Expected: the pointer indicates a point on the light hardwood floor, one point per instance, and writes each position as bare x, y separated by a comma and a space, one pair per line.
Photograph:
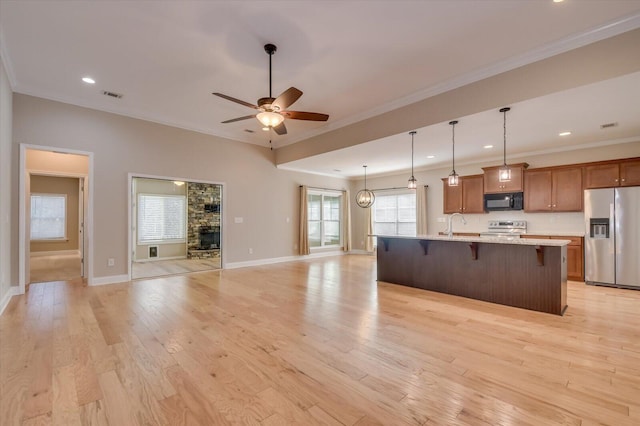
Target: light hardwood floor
313, 342
56, 267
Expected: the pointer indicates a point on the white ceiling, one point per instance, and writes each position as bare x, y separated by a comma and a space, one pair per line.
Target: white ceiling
352, 60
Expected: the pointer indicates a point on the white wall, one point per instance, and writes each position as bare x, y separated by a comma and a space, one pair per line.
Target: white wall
6, 109
256, 191
537, 222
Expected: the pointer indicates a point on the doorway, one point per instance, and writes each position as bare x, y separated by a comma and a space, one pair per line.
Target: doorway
55, 210
176, 226
55, 231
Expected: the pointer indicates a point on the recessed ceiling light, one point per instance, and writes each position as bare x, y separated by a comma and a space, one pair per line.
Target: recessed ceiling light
266, 129
88, 80
488, 146
431, 156
558, 1
564, 133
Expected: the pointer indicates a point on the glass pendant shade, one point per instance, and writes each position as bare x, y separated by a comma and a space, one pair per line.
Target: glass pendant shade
413, 183
364, 197
454, 179
269, 118
504, 174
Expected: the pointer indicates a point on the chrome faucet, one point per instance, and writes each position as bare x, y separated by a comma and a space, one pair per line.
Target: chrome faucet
450, 223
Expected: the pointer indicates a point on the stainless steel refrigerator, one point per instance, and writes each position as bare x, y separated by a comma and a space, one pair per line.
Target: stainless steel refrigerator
612, 236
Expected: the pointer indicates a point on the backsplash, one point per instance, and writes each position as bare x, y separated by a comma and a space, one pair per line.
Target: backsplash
537, 223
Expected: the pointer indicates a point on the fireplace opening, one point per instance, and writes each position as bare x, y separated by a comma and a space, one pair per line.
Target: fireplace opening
209, 237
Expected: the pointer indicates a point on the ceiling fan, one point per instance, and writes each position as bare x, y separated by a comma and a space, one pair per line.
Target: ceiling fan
273, 111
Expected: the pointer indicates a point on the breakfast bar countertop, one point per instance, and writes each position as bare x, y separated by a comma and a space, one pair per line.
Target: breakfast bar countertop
493, 240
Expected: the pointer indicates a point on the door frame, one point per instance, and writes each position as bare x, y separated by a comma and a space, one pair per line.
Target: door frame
24, 177
187, 180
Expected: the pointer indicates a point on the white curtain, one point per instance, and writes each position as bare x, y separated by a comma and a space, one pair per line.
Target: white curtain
421, 210
346, 221
368, 236
304, 227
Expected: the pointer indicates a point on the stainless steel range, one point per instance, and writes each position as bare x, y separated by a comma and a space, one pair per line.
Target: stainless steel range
505, 229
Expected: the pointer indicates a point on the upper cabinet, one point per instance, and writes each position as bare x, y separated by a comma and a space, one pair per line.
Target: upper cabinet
467, 197
553, 189
612, 174
492, 183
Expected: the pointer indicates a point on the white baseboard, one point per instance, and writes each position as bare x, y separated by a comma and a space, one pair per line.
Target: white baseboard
110, 279
55, 253
13, 291
234, 265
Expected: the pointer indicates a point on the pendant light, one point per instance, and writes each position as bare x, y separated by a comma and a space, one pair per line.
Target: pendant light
454, 179
413, 183
504, 174
365, 198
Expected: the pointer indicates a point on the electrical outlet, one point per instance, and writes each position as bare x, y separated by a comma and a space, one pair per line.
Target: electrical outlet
250, 251
111, 261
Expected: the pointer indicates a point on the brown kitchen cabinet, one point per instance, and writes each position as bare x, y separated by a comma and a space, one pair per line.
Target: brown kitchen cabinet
493, 185
467, 197
553, 189
612, 174
575, 254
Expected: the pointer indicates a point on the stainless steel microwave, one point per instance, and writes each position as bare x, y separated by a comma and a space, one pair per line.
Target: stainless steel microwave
504, 201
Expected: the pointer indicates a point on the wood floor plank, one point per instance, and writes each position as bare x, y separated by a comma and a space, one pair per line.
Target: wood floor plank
315, 341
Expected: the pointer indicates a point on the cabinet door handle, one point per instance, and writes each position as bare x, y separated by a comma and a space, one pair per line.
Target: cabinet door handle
554, 205
623, 179
616, 180
549, 205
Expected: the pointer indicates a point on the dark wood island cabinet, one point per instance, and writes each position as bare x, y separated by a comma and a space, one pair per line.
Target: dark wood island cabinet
524, 273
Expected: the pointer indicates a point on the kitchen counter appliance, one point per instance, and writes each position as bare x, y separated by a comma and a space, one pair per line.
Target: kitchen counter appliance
612, 237
505, 229
503, 201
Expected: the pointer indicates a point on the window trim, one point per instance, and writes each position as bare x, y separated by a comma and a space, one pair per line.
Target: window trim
65, 237
323, 193
166, 240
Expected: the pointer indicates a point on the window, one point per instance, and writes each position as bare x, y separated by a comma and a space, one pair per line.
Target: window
161, 218
324, 218
394, 214
48, 217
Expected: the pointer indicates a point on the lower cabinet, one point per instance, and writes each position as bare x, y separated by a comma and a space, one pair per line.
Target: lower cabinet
575, 255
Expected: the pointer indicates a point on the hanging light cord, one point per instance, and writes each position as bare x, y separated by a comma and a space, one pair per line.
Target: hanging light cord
504, 146
453, 146
412, 134
365, 177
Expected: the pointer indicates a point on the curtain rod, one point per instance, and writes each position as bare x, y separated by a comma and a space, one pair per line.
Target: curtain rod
323, 189
397, 187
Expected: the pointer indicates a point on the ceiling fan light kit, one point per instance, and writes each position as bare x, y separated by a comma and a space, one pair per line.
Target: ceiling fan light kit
272, 111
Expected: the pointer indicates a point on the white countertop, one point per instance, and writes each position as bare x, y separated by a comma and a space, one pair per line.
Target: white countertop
494, 240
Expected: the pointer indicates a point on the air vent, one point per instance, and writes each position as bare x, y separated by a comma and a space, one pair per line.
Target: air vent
607, 125
112, 94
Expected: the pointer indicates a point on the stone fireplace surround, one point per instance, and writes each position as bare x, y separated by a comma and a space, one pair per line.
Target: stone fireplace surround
203, 214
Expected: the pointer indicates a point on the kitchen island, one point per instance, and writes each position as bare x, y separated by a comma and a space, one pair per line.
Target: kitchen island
524, 273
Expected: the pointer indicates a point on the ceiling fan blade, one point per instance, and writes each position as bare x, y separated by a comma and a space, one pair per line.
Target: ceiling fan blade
287, 98
233, 120
281, 129
238, 101
301, 115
